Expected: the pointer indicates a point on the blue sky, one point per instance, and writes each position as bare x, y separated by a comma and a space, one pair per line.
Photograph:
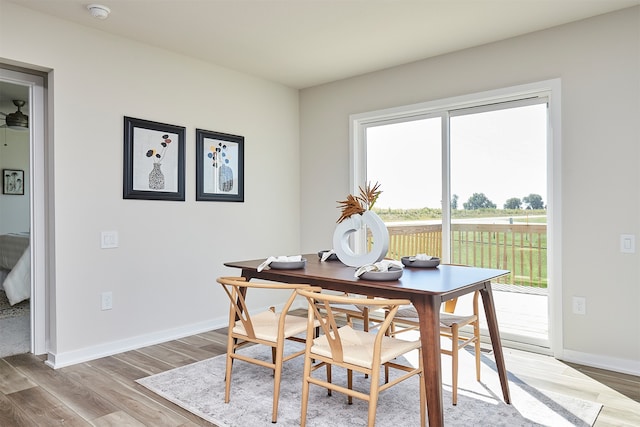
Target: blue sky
499, 153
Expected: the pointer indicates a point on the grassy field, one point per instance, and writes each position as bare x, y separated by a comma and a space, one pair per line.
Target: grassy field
523, 253
396, 215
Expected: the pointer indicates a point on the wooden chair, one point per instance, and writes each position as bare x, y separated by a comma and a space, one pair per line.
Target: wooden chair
450, 324
368, 316
354, 350
267, 328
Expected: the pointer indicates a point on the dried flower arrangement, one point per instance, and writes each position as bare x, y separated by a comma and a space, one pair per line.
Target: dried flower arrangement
357, 205
158, 156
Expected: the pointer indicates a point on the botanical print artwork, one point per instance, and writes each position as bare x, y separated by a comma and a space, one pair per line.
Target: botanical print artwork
155, 160
219, 166
223, 164
156, 177
13, 181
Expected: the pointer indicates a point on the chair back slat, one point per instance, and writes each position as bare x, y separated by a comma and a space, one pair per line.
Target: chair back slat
238, 309
329, 328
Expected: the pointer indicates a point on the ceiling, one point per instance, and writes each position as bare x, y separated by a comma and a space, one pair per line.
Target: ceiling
303, 43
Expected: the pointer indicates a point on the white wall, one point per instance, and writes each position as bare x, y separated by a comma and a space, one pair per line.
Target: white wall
163, 274
598, 62
14, 154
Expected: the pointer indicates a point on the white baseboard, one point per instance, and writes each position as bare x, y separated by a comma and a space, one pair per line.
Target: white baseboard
625, 366
60, 360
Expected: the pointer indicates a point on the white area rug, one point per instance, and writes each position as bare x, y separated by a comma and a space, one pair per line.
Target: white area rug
199, 388
15, 330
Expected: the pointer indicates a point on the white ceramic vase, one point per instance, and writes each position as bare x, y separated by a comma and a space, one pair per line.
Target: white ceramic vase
344, 231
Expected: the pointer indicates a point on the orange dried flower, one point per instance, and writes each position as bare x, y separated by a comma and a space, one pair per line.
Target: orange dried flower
357, 205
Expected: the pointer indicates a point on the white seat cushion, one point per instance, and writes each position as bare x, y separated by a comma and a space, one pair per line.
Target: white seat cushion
357, 347
265, 326
446, 319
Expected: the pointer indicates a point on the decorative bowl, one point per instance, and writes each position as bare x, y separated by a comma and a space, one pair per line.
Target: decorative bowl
420, 263
332, 257
393, 273
288, 265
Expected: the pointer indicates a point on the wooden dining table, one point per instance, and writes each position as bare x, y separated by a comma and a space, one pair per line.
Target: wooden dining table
426, 288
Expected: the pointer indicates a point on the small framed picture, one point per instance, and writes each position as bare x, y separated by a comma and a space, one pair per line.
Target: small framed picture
153, 160
219, 167
13, 181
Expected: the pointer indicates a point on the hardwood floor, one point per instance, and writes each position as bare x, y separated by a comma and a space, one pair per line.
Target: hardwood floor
103, 392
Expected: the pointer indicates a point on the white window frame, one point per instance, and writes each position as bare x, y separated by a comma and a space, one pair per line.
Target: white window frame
551, 90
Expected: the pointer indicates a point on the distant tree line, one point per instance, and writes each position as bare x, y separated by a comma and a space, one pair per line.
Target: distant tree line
481, 201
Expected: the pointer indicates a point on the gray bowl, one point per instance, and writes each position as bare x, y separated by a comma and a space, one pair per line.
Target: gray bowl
288, 265
332, 257
393, 273
418, 263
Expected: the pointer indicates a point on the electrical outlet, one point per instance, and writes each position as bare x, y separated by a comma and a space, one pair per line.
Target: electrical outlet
109, 239
579, 305
627, 243
106, 300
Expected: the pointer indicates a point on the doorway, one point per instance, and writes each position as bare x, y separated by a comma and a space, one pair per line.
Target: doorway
23, 211
15, 221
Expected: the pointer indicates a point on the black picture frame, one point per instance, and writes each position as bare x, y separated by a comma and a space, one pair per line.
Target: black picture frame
219, 166
148, 144
13, 182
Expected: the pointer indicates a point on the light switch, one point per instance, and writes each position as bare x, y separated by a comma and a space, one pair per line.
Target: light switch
579, 305
109, 239
627, 243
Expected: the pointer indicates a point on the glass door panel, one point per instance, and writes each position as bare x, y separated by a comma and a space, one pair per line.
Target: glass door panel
406, 159
499, 179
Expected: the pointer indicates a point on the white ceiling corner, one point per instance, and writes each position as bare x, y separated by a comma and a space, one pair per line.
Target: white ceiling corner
303, 43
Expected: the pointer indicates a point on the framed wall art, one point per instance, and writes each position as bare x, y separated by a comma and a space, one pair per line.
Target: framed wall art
13, 181
219, 166
153, 160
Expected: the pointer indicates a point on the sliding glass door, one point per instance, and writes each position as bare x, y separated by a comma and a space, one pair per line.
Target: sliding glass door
469, 184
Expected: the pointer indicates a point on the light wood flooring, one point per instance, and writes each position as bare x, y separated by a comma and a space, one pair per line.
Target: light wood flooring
103, 392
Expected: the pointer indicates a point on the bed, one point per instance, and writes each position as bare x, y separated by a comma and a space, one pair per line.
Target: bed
15, 266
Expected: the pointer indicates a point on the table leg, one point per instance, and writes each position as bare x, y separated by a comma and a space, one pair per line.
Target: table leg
428, 308
494, 333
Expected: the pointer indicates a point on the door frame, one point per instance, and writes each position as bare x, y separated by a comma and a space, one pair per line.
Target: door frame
39, 210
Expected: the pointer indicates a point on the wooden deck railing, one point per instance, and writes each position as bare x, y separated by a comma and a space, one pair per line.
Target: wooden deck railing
520, 248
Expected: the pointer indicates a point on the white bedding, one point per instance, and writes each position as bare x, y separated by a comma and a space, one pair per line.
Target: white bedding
15, 256
17, 285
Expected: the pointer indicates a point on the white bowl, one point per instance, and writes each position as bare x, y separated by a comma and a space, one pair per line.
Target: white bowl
420, 263
393, 273
288, 265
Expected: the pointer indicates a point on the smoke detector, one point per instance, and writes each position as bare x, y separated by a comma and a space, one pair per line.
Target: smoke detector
99, 11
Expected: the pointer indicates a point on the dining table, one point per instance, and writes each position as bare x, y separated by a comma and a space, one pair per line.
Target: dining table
426, 288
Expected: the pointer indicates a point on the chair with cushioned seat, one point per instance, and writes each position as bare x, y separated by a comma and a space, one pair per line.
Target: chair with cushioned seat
267, 328
355, 350
369, 318
450, 325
